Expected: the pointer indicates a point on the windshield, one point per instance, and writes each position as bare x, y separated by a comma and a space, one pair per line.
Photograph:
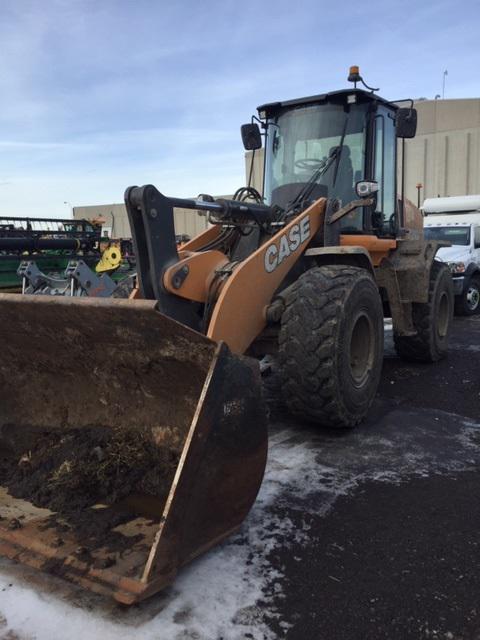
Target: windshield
299, 139
454, 235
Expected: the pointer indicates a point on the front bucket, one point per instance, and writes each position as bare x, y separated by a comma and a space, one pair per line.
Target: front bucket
129, 444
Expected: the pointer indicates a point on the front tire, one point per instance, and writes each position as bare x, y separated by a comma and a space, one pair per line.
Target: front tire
468, 303
432, 320
331, 345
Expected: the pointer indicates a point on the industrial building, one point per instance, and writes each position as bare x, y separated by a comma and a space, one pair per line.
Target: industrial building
442, 160
444, 156
117, 226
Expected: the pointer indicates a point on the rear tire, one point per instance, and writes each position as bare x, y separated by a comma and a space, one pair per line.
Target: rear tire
331, 345
432, 320
468, 303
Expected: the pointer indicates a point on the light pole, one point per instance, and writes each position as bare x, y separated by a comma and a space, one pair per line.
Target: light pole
419, 190
445, 74
69, 205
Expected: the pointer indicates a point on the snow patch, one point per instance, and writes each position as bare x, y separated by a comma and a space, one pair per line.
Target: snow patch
229, 593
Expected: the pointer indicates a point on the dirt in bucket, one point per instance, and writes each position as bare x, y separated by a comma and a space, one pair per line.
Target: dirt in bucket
69, 471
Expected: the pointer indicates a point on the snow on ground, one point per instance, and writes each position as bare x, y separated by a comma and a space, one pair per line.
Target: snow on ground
228, 593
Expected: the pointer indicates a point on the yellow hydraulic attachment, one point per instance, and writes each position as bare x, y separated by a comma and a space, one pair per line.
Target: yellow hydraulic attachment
110, 260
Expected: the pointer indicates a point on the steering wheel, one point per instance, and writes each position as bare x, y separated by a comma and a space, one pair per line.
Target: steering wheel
309, 163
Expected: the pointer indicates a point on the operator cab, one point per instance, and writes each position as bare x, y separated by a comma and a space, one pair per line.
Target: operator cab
324, 145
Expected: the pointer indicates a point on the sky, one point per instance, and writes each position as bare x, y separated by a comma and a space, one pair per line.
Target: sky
100, 95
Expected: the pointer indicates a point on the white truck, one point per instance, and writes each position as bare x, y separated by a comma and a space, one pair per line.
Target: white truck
456, 219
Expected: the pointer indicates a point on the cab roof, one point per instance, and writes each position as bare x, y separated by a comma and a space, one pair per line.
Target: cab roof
452, 204
340, 96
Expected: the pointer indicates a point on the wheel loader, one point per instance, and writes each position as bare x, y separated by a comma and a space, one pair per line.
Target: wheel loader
132, 431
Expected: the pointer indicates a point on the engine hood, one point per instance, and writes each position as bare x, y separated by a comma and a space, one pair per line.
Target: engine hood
454, 254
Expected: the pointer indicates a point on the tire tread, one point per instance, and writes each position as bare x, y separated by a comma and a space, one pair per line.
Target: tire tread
307, 350
421, 347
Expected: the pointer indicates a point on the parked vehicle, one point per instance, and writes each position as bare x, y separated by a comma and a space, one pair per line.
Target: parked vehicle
452, 205
463, 256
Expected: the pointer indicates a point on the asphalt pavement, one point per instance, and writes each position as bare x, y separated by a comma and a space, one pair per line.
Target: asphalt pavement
363, 534
395, 553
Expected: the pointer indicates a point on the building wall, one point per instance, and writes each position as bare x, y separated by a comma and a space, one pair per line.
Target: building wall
257, 168
444, 156
186, 220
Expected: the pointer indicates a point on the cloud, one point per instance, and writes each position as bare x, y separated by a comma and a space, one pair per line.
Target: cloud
117, 89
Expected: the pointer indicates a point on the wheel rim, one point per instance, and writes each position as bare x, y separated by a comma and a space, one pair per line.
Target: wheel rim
473, 298
443, 315
362, 349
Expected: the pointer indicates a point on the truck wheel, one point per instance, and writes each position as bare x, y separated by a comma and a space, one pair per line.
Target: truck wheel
432, 320
331, 345
469, 302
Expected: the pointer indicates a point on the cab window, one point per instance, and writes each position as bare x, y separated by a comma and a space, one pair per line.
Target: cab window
384, 169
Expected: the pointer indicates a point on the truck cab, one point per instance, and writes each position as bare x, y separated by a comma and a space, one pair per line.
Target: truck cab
331, 142
457, 220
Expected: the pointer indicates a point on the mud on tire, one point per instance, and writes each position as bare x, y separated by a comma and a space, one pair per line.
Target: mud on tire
432, 320
331, 345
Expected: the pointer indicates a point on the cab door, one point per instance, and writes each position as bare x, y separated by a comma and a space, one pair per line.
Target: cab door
384, 217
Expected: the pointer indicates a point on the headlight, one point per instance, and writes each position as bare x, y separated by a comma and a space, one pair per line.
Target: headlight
457, 267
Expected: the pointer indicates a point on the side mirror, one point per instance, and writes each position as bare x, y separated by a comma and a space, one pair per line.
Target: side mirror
406, 122
251, 136
365, 188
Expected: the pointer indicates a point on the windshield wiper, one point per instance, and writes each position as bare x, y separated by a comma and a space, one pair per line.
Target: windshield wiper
339, 150
299, 201
307, 189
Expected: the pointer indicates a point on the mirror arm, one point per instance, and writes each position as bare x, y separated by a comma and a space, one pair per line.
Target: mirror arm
260, 122
348, 208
